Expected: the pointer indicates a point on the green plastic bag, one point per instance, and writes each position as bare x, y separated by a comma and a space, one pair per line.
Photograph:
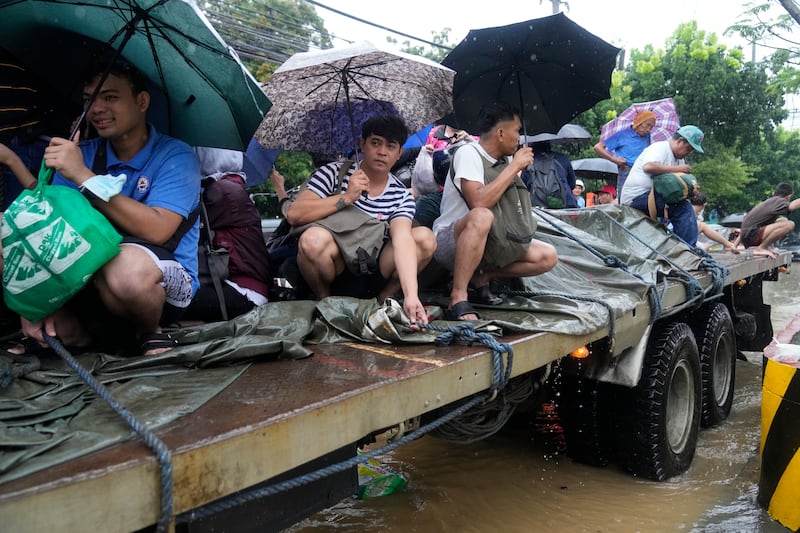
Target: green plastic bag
375, 479
53, 242
674, 187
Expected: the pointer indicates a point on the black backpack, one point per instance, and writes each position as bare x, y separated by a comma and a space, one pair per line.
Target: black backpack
546, 185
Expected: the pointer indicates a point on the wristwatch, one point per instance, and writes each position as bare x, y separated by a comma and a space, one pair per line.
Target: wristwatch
88, 194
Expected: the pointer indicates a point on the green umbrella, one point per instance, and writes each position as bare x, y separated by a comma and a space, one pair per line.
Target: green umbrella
205, 96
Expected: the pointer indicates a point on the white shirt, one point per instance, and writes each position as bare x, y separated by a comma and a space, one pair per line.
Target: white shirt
638, 181
467, 165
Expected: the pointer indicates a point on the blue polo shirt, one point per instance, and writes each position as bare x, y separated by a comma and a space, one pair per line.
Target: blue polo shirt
165, 173
628, 144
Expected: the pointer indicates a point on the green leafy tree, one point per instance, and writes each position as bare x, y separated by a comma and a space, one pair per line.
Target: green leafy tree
735, 102
266, 32
436, 53
770, 25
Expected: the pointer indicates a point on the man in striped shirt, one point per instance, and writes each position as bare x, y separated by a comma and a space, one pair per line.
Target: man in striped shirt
371, 188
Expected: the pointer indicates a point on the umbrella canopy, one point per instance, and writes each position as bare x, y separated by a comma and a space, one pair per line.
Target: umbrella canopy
667, 121
419, 137
595, 168
550, 67
208, 97
733, 221
539, 137
322, 98
573, 133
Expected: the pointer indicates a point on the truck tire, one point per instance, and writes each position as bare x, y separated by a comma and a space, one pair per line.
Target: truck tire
716, 343
587, 418
665, 415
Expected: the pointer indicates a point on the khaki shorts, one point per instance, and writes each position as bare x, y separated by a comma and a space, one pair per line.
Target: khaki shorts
445, 253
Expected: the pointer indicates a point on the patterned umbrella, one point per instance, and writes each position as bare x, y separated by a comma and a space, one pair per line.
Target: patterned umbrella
667, 120
322, 98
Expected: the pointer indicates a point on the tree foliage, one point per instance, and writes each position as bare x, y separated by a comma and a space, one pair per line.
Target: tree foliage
435, 53
737, 103
266, 32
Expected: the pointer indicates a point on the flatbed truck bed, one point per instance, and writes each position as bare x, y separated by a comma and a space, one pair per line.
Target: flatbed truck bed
281, 415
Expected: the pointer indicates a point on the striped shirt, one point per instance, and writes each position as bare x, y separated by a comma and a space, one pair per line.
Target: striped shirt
394, 202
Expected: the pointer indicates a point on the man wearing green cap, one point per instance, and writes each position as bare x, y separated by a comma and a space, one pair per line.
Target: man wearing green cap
665, 157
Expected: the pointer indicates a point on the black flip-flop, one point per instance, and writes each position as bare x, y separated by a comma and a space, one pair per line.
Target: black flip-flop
484, 296
460, 309
155, 341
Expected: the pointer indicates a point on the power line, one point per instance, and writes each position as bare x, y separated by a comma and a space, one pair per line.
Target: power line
379, 26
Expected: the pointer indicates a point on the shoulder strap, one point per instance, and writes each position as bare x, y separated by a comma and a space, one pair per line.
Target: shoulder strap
215, 268
100, 163
651, 204
100, 166
343, 168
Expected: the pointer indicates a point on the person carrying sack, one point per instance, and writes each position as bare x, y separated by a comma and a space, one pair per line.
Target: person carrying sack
355, 225
486, 228
665, 160
152, 280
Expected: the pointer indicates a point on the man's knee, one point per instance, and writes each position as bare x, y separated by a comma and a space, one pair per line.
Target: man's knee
315, 242
425, 241
478, 220
129, 274
544, 255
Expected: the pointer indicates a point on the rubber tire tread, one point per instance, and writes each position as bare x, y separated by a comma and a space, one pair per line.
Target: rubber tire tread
709, 326
649, 453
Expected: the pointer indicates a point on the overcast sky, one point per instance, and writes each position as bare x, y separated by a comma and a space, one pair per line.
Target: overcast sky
624, 23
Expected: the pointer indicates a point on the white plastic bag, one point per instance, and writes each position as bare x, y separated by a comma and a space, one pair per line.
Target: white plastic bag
422, 180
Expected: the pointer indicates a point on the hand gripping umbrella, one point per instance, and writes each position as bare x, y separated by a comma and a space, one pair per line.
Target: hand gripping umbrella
207, 97
322, 98
667, 121
550, 67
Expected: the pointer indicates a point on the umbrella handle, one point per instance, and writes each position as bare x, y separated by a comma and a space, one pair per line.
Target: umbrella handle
521, 103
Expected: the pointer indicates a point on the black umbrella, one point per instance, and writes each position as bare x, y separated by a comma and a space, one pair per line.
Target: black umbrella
595, 168
550, 67
733, 221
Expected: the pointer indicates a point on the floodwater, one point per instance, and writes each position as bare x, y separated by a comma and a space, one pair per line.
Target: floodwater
510, 483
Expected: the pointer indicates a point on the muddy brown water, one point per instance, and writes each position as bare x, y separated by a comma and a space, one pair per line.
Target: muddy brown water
510, 483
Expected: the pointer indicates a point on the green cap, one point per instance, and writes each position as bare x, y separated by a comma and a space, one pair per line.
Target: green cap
693, 135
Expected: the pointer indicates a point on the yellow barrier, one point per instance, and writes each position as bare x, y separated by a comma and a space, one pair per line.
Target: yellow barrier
779, 484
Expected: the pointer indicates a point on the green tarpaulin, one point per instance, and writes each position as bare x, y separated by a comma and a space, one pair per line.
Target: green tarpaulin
610, 260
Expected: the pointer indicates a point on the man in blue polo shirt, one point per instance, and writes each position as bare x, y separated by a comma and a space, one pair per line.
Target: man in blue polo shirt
153, 278
624, 147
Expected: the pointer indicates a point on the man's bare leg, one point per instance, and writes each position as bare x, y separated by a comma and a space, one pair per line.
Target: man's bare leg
775, 232
540, 258
319, 260
142, 301
470, 233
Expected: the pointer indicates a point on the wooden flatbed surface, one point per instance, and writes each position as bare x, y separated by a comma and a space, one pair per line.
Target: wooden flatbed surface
282, 414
